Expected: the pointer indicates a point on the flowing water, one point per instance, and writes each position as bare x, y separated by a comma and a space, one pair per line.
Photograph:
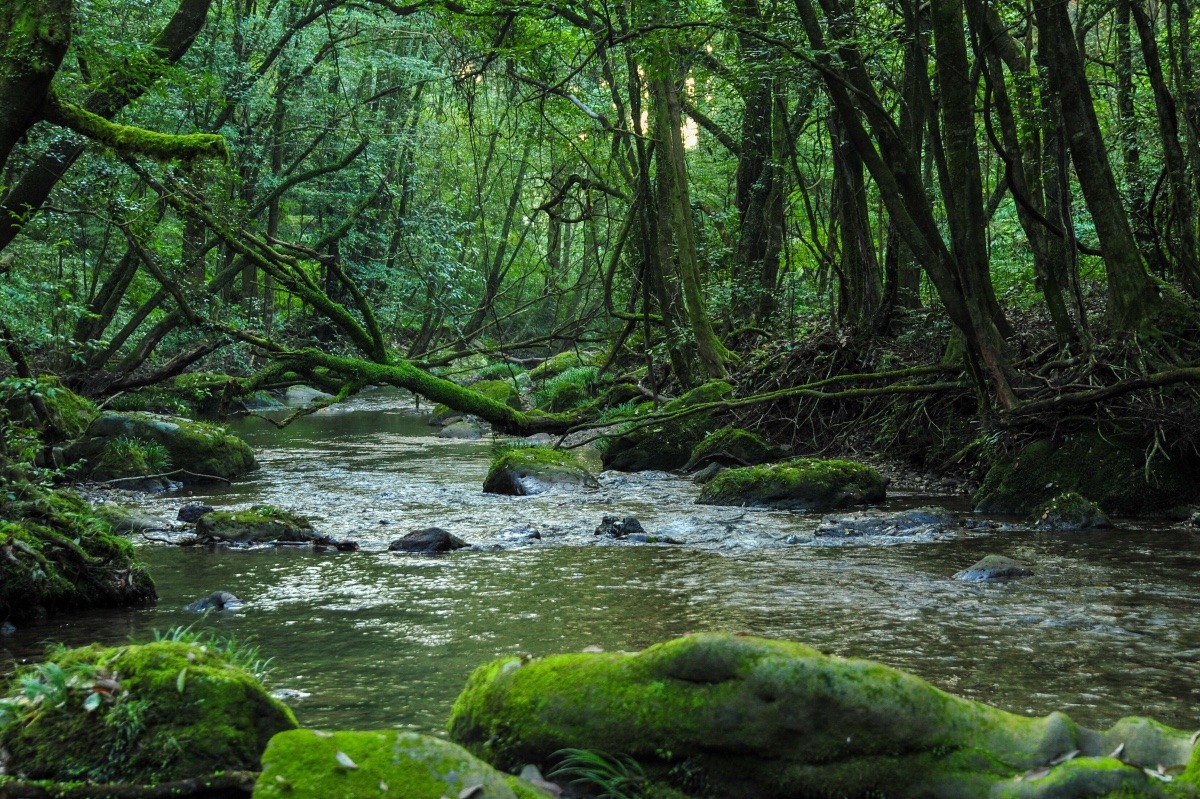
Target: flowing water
1109, 625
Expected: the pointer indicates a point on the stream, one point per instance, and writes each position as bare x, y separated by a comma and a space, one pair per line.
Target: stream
1109, 625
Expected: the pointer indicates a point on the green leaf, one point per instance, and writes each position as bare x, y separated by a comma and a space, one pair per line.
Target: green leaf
181, 680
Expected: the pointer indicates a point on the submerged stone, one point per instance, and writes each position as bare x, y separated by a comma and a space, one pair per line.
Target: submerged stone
994, 567
615, 527
301, 396
307, 764
525, 471
463, 430
914, 522
801, 484
218, 601
165, 711
741, 718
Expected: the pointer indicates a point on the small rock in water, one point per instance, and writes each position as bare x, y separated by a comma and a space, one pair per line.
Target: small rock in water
519, 533
429, 540
613, 527
217, 600
909, 523
707, 473
7, 629
995, 567
464, 430
193, 511
285, 694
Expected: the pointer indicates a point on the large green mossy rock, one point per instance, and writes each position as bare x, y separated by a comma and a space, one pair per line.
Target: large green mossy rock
260, 524
733, 446
167, 711
801, 484
739, 717
1069, 511
667, 444
200, 449
525, 471
56, 554
502, 391
69, 412
1109, 471
307, 764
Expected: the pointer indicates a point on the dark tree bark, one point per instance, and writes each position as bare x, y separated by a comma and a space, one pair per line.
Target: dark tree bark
34, 36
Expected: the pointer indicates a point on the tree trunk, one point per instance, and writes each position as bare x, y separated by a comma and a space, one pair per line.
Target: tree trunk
34, 36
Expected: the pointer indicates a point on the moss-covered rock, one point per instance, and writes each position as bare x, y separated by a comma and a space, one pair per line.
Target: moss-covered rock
501, 391
801, 484
557, 364
746, 718
1069, 511
69, 412
1107, 469
306, 764
200, 449
260, 524
667, 444
733, 446
524, 471
166, 711
56, 554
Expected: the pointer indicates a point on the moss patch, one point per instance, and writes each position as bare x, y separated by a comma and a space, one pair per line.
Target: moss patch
523, 471
801, 484
168, 711
305, 764
261, 524
736, 716
667, 444
557, 364
1069, 511
69, 412
1117, 477
56, 555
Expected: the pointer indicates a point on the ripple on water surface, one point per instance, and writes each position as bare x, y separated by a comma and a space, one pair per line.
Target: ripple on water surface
1109, 626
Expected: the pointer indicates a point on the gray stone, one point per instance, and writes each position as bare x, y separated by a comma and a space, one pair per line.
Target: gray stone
994, 567
463, 430
192, 511
915, 522
429, 541
218, 601
614, 527
300, 396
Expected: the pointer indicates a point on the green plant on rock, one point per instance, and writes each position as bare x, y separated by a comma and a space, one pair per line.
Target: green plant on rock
614, 776
240, 653
567, 390
129, 456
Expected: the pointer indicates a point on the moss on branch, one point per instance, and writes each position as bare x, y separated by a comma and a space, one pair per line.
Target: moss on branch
132, 140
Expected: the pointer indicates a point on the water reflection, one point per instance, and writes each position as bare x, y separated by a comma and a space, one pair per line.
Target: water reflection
1108, 627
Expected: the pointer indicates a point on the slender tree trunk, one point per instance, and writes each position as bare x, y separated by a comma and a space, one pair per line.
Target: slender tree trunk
1132, 296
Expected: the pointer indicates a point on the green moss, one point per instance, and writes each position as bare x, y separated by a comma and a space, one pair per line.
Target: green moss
801, 484
500, 391
258, 524
197, 447
521, 471
69, 412
56, 554
305, 764
667, 444
733, 445
178, 710
569, 389
135, 141
1118, 477
736, 716
557, 364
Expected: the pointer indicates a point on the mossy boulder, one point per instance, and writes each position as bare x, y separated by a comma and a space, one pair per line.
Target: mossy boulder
667, 444
260, 524
203, 451
800, 484
69, 412
745, 717
733, 446
502, 391
1070, 511
1109, 470
167, 711
56, 554
524, 471
557, 364
306, 764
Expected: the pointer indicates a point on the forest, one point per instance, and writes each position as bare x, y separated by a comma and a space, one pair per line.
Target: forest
805, 250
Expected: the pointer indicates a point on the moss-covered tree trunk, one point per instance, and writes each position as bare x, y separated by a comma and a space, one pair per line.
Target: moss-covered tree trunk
34, 36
